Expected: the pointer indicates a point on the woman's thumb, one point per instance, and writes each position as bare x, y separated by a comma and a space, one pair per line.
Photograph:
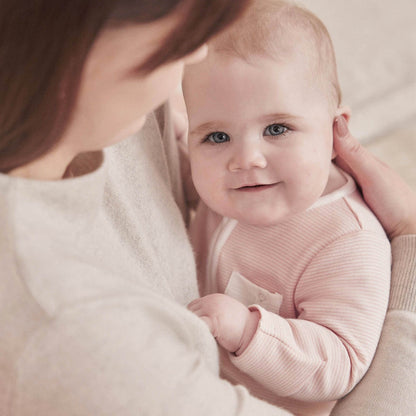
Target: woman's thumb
351, 155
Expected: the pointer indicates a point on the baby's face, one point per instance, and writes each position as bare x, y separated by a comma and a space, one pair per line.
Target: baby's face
260, 137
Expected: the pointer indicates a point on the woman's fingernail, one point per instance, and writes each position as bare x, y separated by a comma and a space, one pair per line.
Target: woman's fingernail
341, 126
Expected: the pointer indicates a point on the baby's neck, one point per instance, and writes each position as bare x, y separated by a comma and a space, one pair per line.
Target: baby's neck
335, 181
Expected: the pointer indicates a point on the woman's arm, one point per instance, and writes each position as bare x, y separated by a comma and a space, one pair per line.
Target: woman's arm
389, 386
127, 355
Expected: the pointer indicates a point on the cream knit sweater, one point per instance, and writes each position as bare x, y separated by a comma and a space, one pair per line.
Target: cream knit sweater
94, 273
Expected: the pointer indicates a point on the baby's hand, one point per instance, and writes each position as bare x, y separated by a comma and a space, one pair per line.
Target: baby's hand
231, 323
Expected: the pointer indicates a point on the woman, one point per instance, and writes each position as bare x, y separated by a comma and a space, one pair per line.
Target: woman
96, 268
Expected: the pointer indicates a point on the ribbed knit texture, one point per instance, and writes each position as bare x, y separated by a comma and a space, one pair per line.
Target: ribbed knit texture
388, 389
331, 268
403, 289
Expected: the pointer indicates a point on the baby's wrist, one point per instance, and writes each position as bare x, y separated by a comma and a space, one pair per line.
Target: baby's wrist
249, 330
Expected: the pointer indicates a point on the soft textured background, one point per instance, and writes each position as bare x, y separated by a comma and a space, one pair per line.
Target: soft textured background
375, 44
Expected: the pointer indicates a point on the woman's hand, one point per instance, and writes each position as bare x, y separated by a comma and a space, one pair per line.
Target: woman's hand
231, 323
390, 198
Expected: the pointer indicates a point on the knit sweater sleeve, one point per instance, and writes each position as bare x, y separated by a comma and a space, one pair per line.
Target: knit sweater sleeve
341, 299
389, 386
129, 355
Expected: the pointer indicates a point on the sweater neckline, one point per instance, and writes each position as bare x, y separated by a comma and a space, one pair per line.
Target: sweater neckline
77, 198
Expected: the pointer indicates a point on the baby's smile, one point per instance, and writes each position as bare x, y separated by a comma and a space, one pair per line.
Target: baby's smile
256, 187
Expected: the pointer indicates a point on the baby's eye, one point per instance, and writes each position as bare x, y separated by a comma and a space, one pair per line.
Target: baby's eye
218, 137
275, 130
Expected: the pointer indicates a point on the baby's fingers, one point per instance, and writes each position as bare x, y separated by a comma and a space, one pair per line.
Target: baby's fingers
209, 323
197, 307
202, 305
194, 305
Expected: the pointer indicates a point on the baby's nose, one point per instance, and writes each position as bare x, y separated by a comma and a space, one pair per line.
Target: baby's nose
247, 156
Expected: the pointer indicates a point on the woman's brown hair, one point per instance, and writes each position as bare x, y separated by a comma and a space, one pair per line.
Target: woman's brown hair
43, 47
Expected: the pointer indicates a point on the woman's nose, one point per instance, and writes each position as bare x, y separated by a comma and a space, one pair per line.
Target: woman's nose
247, 156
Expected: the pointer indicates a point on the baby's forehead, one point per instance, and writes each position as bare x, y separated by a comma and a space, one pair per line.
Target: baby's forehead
229, 64
281, 29
223, 70
259, 89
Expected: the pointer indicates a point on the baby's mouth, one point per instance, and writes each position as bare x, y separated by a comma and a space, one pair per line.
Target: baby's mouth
256, 187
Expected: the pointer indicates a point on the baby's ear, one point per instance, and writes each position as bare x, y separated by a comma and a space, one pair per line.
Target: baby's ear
343, 111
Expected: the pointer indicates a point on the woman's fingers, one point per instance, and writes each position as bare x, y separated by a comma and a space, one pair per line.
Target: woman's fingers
353, 157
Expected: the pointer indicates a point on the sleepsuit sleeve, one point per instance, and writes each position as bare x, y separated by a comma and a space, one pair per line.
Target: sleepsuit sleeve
341, 299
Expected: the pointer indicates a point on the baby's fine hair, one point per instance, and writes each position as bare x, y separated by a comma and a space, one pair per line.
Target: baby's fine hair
277, 29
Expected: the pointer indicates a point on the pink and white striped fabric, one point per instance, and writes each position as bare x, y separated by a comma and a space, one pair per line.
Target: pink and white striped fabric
320, 280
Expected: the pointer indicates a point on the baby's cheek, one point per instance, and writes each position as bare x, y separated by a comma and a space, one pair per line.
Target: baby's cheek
304, 190
210, 189
198, 171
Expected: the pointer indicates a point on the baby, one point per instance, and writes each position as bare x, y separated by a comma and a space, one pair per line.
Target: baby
294, 269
